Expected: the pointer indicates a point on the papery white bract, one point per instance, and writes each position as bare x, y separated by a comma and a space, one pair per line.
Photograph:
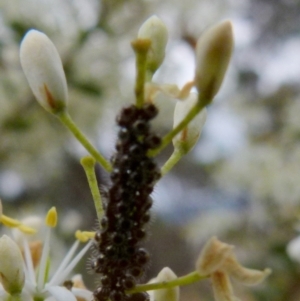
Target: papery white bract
213, 53
44, 71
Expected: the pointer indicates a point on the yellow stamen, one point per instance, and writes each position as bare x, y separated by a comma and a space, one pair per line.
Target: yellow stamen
51, 218
9, 222
84, 236
27, 230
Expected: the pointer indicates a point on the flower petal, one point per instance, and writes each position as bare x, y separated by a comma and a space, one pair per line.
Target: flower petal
60, 293
188, 138
244, 275
212, 256
222, 287
82, 293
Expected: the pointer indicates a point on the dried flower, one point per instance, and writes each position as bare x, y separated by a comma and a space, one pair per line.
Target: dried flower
212, 256
44, 71
218, 261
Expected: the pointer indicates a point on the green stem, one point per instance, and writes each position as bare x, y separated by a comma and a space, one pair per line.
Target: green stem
184, 280
140, 47
65, 118
172, 161
168, 138
88, 164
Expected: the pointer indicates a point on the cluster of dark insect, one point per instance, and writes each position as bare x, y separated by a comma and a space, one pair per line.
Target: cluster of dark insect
119, 258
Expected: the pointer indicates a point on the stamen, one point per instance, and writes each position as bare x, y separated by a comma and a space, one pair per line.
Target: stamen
27, 230
65, 262
9, 222
84, 236
51, 218
29, 269
43, 263
71, 266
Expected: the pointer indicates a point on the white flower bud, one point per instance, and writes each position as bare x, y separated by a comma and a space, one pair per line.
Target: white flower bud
11, 266
170, 294
44, 71
156, 31
293, 249
213, 53
188, 137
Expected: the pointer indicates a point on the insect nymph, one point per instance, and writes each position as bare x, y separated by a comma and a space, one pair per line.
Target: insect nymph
120, 260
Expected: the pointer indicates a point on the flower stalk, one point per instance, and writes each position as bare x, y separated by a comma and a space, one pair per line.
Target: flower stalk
184, 123
88, 164
67, 121
141, 48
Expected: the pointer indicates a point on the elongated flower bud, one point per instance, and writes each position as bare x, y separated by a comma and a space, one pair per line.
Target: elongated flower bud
213, 53
168, 294
189, 136
156, 31
11, 266
44, 71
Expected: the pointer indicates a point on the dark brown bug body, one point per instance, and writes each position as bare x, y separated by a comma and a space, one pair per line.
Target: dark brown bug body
120, 259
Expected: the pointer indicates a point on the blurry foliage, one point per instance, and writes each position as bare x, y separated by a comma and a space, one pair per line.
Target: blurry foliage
93, 38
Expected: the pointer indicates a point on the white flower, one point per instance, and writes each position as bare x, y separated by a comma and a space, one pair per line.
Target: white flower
188, 138
213, 53
156, 31
44, 71
37, 284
